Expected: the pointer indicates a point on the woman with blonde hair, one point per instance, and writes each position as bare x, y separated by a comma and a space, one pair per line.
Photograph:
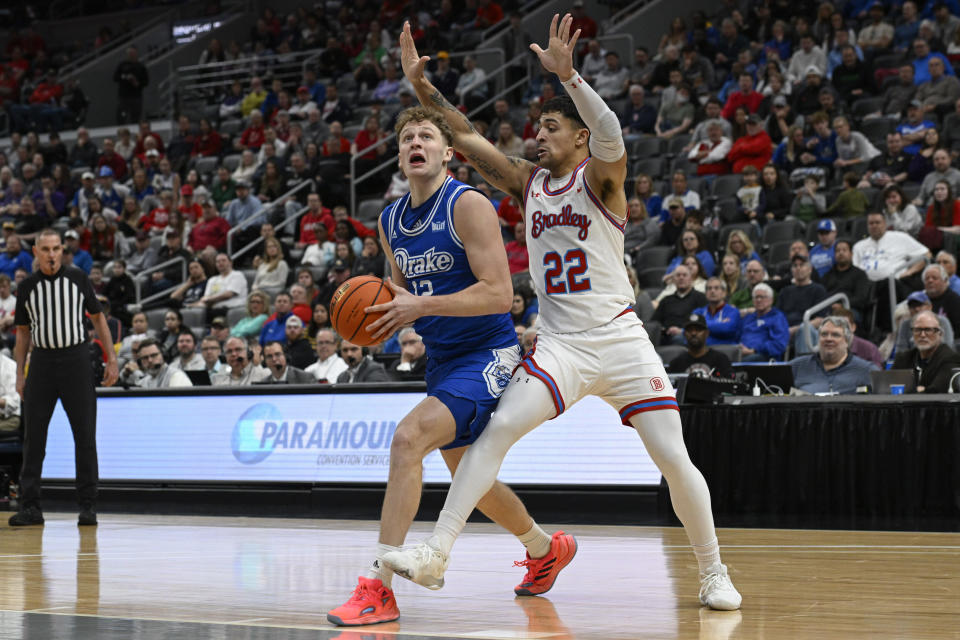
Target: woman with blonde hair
739, 245
732, 274
272, 269
258, 310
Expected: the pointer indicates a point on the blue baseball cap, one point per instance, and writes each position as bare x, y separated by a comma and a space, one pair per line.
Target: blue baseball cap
918, 297
106, 171
826, 225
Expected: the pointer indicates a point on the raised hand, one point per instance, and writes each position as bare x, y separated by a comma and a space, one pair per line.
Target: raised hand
558, 58
410, 60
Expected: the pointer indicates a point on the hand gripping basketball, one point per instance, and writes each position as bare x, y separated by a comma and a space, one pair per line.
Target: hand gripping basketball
402, 310
349, 308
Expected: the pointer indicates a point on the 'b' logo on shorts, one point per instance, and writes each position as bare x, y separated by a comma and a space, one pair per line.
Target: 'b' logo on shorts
657, 384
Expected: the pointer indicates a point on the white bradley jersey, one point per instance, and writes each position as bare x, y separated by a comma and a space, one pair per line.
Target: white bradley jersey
576, 253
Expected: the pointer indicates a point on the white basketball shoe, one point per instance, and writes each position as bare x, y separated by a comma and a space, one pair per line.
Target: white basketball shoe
717, 591
422, 564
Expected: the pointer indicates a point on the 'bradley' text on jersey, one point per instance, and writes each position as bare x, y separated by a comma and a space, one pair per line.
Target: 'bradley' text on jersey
540, 222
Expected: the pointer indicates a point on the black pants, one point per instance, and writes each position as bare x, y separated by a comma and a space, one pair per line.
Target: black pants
129, 109
65, 375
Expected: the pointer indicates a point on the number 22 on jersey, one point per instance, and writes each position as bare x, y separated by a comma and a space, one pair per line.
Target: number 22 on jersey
567, 274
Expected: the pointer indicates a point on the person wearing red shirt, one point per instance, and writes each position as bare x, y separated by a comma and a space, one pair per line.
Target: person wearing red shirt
189, 209
335, 144
755, 148
583, 22
509, 213
253, 136
9, 87
113, 161
363, 231
316, 215
746, 96
944, 212
209, 232
160, 216
518, 258
208, 142
139, 149
489, 13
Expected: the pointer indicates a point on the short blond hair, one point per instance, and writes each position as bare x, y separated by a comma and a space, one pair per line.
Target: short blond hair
423, 114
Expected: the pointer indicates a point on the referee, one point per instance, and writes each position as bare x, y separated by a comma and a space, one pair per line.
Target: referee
50, 312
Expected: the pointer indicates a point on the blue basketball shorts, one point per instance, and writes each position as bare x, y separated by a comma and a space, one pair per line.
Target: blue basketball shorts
470, 386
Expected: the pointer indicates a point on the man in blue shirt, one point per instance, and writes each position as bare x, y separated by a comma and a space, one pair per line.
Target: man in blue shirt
915, 128
275, 330
15, 258
765, 333
81, 258
833, 369
722, 319
921, 62
244, 210
821, 256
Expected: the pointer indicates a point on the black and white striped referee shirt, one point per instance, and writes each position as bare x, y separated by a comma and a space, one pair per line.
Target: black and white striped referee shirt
54, 306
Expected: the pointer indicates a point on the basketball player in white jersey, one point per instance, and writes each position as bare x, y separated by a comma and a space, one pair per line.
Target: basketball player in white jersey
589, 341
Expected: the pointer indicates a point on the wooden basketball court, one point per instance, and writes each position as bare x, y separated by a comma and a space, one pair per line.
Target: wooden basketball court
200, 578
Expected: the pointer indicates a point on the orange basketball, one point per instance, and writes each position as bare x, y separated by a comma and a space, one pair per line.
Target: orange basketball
347, 308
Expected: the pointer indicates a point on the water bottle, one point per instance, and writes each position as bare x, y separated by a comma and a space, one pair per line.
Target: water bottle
14, 497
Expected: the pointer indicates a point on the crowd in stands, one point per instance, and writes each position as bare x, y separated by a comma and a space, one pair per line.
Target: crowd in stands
780, 153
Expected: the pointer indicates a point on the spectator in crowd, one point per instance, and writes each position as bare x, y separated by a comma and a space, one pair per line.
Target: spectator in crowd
852, 78
931, 360
84, 152
322, 251
412, 364
508, 142
676, 116
674, 225
722, 319
888, 253
157, 373
941, 91
809, 55
776, 197
711, 110
711, 154
224, 291
691, 243
275, 357
13, 258
914, 128
258, 309
360, 366
681, 190
889, 167
798, 296
853, 148
753, 149
917, 302
640, 231
745, 96
876, 36
611, 82
275, 327
644, 191
210, 231
949, 262
863, 349
844, 277
943, 214
329, 365
242, 370
851, 203
833, 368
809, 204
370, 261
700, 360
594, 61
922, 57
132, 78
821, 255
245, 211
518, 258
739, 245
193, 288
472, 87
272, 269
675, 308
187, 358
750, 201
942, 171
765, 333
943, 301
638, 118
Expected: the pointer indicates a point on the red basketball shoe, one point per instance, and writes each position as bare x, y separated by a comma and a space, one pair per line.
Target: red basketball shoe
542, 572
370, 603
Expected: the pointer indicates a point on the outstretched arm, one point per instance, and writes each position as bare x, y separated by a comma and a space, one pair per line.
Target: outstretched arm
508, 174
608, 168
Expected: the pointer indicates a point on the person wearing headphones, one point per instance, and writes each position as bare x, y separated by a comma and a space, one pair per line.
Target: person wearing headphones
360, 366
275, 356
243, 371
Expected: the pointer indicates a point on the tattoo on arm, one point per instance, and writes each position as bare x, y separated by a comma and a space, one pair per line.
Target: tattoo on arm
484, 167
442, 103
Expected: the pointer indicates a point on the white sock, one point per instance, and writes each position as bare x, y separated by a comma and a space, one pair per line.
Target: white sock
445, 532
536, 540
708, 555
378, 570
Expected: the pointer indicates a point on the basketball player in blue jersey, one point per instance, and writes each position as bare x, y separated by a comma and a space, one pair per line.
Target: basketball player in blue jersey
588, 339
450, 279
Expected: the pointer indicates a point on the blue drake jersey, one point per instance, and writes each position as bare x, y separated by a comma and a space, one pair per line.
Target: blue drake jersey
428, 251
